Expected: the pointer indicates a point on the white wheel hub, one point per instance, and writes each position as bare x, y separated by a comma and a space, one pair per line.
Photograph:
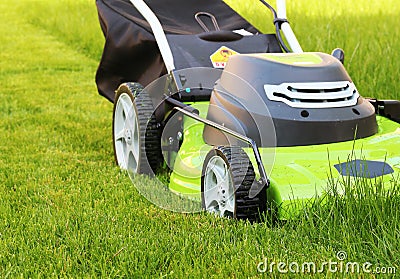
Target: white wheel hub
126, 134
219, 194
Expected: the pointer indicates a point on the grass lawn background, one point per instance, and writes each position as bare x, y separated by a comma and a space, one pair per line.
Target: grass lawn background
67, 211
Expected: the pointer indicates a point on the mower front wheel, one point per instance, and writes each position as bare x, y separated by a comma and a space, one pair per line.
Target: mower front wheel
226, 182
136, 137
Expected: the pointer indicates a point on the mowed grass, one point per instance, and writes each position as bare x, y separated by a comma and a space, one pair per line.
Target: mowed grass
67, 211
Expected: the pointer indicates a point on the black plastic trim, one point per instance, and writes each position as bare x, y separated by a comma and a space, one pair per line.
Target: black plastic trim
387, 108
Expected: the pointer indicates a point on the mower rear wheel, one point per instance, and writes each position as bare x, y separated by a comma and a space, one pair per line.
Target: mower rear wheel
136, 137
226, 182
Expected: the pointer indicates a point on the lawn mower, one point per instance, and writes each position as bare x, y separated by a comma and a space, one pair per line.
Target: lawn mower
243, 122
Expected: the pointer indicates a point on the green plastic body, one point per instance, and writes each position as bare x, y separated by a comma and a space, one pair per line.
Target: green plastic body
297, 174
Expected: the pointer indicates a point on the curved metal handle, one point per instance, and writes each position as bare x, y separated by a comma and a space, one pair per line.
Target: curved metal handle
264, 181
201, 23
158, 31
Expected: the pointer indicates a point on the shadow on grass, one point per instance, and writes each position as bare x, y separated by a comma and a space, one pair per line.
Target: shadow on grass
156, 192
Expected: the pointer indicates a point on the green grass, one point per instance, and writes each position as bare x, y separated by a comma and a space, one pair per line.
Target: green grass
67, 211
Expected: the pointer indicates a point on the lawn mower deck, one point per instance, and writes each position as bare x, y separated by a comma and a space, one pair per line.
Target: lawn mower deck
241, 126
299, 174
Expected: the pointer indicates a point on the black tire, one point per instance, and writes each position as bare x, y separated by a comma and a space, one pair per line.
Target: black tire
241, 173
145, 139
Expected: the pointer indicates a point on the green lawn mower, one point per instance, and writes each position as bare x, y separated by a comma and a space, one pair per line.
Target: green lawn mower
241, 121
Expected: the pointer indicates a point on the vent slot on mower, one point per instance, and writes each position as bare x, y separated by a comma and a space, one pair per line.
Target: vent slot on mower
314, 95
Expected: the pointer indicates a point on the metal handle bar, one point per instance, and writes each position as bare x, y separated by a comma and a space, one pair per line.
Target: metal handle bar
263, 175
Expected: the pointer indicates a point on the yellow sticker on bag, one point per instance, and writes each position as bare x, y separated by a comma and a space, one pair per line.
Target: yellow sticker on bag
220, 57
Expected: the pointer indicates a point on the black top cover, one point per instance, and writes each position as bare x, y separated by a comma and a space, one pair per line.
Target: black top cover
131, 53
